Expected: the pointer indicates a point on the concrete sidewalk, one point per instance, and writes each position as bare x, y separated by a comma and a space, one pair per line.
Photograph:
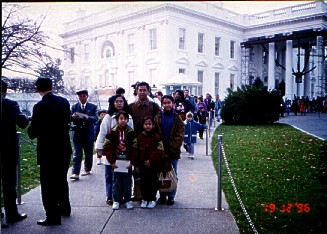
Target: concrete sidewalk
193, 211
312, 123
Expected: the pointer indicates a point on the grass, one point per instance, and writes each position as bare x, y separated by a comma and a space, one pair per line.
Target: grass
280, 175
30, 172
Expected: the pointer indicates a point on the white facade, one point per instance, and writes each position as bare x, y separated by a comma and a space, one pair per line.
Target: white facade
153, 42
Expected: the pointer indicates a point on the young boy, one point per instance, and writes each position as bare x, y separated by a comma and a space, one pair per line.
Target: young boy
201, 118
148, 162
191, 128
118, 149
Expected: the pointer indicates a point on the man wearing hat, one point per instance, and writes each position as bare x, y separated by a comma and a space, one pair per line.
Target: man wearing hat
84, 117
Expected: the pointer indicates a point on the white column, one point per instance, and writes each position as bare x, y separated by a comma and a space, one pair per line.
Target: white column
320, 68
288, 73
92, 58
271, 66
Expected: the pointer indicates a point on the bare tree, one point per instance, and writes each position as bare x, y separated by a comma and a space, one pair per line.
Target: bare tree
23, 42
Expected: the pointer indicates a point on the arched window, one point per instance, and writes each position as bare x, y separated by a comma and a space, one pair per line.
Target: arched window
108, 50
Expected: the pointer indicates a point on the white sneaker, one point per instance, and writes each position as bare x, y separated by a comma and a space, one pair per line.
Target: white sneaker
151, 204
191, 156
129, 205
115, 206
85, 173
99, 161
144, 204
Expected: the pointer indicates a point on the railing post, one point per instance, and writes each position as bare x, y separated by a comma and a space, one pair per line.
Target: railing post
207, 142
19, 185
208, 123
219, 197
214, 119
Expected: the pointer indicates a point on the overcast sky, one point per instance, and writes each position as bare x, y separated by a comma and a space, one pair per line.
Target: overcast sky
59, 12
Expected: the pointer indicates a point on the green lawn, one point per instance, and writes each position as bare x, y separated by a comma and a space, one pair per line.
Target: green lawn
280, 175
30, 172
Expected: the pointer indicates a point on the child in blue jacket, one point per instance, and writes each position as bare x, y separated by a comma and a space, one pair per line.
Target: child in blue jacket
191, 129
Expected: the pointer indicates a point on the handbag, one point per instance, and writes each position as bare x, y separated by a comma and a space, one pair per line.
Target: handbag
167, 181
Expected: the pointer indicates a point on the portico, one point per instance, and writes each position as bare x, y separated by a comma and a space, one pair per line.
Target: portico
294, 58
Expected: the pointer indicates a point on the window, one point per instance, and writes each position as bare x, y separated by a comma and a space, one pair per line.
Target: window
108, 50
72, 55
251, 54
231, 81
181, 39
200, 79
106, 78
152, 75
86, 52
181, 70
200, 42
265, 57
217, 83
131, 44
277, 56
232, 49
217, 45
131, 79
153, 39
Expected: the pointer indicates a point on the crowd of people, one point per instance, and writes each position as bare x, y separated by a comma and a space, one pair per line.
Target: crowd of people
135, 141
303, 105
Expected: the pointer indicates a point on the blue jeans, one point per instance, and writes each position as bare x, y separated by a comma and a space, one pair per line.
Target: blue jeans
172, 194
78, 156
190, 147
108, 175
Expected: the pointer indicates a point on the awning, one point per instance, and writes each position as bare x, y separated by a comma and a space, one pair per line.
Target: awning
180, 79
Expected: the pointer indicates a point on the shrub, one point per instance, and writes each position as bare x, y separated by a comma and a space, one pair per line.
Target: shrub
251, 105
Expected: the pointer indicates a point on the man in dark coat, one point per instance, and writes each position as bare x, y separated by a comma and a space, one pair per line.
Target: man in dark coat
11, 116
50, 125
84, 116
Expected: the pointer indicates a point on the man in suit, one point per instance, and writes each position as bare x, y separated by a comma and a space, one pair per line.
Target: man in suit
50, 125
11, 116
84, 116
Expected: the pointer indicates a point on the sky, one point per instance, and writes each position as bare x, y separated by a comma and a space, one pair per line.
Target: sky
60, 12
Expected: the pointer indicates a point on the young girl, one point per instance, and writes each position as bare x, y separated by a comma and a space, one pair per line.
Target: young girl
118, 149
118, 103
150, 153
191, 128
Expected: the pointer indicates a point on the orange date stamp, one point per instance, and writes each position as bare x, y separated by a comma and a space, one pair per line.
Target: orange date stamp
287, 208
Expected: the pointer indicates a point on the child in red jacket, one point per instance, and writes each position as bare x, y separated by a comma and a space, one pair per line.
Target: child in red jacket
119, 148
148, 162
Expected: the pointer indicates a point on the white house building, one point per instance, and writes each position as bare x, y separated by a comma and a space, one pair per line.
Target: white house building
213, 47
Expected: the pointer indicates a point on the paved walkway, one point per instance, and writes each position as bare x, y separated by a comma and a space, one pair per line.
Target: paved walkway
193, 212
312, 123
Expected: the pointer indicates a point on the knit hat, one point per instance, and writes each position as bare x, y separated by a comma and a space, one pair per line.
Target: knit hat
189, 114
